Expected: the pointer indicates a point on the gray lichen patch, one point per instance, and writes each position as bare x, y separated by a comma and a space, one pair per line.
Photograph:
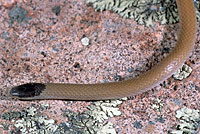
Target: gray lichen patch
160, 119
189, 121
183, 72
86, 124
94, 119
137, 124
56, 10
13, 115
5, 126
143, 11
102, 4
33, 123
197, 5
18, 14
158, 105
30, 121
102, 110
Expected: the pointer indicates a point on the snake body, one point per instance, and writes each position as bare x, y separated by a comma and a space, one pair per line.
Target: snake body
114, 90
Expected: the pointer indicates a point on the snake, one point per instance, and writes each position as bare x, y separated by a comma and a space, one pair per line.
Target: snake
126, 88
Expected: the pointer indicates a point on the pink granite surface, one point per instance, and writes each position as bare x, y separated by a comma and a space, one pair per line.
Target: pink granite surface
46, 48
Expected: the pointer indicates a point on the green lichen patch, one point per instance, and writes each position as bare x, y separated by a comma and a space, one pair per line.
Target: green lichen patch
189, 121
143, 11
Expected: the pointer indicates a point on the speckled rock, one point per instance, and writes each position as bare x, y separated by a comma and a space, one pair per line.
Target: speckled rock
40, 41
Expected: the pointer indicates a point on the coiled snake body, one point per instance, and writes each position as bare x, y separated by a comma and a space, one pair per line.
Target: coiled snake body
114, 90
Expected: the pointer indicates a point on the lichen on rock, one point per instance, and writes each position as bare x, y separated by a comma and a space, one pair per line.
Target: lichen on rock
18, 14
101, 110
33, 123
94, 119
143, 11
158, 105
183, 72
86, 124
29, 121
189, 121
102, 4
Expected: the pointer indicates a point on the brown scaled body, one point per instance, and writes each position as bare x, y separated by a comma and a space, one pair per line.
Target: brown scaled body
114, 90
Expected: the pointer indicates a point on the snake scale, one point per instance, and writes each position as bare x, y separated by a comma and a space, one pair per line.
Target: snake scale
114, 90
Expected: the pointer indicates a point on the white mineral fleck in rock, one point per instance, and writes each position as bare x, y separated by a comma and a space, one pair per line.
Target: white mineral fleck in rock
85, 41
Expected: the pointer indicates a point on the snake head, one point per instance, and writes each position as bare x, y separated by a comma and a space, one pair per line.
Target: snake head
27, 90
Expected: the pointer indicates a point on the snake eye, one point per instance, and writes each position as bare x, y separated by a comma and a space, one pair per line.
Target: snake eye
27, 90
